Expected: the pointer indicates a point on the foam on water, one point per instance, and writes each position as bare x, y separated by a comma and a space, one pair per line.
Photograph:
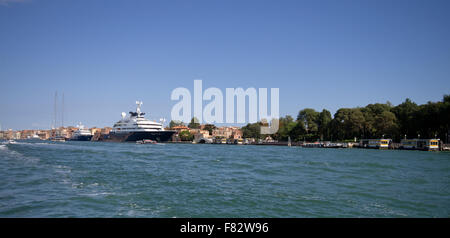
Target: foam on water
96, 194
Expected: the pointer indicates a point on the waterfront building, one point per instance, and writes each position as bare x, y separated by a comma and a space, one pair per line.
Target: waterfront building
236, 133
94, 130
420, 144
97, 133
69, 131
27, 134
223, 132
200, 133
375, 143
201, 136
44, 134
179, 129
16, 135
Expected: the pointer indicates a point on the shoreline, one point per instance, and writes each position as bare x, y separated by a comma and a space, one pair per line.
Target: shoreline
446, 147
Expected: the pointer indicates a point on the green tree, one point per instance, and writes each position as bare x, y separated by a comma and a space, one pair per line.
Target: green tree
297, 131
445, 118
385, 124
323, 123
348, 123
186, 136
405, 115
372, 121
194, 124
283, 129
210, 128
428, 118
309, 118
173, 123
252, 130
374, 116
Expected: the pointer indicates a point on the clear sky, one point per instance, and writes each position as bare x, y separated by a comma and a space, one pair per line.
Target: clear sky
105, 55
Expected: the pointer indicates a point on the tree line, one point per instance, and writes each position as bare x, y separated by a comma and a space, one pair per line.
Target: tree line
430, 120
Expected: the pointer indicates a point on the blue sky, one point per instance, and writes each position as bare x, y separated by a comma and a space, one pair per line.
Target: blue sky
105, 55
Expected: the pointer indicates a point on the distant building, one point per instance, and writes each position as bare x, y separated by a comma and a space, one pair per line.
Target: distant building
44, 135
62, 132
106, 130
97, 133
420, 144
70, 130
232, 132
95, 130
236, 133
200, 134
27, 134
8, 134
16, 135
222, 132
180, 128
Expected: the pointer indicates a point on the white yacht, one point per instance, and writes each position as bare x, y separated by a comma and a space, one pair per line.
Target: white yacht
81, 134
137, 128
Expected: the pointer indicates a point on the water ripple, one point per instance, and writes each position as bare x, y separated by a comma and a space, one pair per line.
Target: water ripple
84, 179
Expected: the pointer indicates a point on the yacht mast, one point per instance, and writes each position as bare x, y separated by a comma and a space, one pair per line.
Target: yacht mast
62, 111
54, 111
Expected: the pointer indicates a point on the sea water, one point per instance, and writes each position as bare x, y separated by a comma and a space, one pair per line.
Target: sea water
99, 179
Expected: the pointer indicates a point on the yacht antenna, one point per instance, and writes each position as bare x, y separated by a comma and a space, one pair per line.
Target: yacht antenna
138, 109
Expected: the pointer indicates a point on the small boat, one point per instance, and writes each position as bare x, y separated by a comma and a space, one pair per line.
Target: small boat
11, 142
146, 141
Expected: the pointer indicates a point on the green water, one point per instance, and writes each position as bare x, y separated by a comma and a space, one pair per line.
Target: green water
94, 179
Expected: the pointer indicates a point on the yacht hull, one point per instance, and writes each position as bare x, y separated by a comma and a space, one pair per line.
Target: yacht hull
159, 136
81, 138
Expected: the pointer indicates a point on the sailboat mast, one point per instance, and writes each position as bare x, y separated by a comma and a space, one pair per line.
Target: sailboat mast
62, 111
54, 110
